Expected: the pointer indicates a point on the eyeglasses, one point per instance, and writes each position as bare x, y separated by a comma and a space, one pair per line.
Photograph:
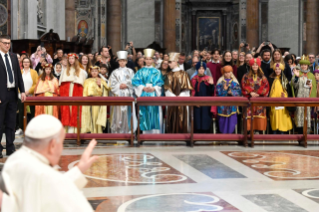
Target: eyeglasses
6, 43
311, 57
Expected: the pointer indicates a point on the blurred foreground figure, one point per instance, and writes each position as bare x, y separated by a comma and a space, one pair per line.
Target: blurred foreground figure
31, 181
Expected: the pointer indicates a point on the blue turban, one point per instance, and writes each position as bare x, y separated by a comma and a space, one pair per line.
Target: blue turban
201, 64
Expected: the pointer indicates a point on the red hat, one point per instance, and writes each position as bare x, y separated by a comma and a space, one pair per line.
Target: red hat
253, 61
23, 52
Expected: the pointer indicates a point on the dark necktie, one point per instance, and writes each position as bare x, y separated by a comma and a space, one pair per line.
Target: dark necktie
9, 70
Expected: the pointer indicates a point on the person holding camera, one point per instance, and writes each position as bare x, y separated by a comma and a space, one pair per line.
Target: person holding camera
245, 46
41, 52
263, 44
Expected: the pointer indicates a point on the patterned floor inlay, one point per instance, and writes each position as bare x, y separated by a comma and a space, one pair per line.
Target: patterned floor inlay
281, 165
209, 166
127, 169
311, 193
174, 202
274, 203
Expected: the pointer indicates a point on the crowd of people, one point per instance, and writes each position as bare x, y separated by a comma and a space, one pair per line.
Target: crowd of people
262, 72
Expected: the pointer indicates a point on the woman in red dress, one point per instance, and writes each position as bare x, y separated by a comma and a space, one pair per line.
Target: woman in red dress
71, 84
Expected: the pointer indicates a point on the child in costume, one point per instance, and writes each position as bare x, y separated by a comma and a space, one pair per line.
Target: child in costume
203, 86
280, 120
227, 85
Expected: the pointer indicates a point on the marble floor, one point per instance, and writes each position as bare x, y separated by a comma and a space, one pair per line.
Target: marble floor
176, 178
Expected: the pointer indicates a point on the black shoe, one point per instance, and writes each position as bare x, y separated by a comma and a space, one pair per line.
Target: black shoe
10, 153
1, 155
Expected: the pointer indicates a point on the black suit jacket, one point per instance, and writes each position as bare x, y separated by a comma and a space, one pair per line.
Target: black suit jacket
17, 76
187, 66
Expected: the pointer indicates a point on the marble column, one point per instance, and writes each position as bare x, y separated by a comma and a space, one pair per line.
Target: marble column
312, 27
114, 24
70, 30
252, 23
169, 26
194, 27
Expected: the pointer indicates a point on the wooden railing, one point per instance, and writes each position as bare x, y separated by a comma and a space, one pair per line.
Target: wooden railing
83, 101
287, 102
192, 102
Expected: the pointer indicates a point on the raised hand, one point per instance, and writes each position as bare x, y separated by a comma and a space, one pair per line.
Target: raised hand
87, 160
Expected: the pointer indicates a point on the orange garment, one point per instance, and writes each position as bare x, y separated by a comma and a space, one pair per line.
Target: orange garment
47, 88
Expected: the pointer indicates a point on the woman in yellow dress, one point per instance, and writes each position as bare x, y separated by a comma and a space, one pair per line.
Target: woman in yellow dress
47, 86
94, 117
280, 120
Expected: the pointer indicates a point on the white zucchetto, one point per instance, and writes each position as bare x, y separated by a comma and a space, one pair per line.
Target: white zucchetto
43, 126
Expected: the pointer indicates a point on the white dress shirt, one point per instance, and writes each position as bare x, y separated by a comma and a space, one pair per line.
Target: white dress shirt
181, 66
9, 85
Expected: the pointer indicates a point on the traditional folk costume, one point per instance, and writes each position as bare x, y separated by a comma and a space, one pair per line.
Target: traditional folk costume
32, 183
94, 117
121, 115
257, 83
202, 115
227, 115
71, 85
47, 88
279, 116
302, 90
177, 83
148, 76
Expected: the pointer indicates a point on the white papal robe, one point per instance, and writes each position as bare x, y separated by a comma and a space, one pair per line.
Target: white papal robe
121, 115
34, 186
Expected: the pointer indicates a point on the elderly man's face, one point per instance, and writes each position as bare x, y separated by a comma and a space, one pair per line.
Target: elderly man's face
56, 148
195, 61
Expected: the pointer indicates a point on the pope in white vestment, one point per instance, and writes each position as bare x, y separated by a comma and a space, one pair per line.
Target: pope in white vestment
33, 185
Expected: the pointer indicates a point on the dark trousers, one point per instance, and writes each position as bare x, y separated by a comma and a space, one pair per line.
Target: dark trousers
8, 111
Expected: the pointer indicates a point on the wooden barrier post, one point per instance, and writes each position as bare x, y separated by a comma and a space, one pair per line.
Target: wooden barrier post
245, 125
252, 125
138, 125
78, 141
132, 133
305, 128
192, 127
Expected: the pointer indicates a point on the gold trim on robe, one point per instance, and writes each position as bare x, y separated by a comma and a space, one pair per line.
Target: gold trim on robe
94, 117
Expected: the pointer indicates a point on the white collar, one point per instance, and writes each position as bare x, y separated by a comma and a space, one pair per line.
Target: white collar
176, 69
213, 61
26, 71
2, 53
122, 68
36, 154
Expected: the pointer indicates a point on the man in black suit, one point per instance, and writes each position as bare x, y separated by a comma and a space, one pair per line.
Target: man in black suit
10, 81
181, 62
107, 59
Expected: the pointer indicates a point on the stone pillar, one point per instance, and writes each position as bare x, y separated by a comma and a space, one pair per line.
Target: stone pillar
252, 10
312, 27
194, 30
169, 26
114, 24
70, 30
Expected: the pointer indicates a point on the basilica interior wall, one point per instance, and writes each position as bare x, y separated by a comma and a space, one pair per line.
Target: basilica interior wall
283, 24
